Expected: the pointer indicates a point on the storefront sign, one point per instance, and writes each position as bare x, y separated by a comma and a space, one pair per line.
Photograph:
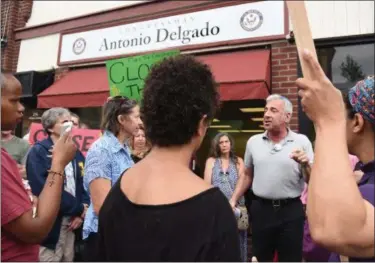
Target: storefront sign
83, 138
250, 21
127, 75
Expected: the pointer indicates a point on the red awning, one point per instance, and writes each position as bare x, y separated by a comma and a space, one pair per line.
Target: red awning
243, 91
78, 89
242, 75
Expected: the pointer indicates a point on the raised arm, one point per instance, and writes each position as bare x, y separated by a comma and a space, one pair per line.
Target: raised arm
37, 170
23, 226
340, 219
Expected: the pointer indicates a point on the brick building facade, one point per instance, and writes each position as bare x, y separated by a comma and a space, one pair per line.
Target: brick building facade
284, 73
14, 14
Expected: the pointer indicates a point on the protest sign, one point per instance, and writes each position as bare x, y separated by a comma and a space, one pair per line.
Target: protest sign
82, 138
127, 75
302, 31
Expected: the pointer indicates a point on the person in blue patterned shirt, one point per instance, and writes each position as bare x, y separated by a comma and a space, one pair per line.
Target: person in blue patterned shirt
106, 160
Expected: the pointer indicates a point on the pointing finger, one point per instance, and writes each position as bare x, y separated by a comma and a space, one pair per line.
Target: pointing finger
313, 65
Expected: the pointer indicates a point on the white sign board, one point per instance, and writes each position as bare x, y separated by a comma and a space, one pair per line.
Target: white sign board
250, 21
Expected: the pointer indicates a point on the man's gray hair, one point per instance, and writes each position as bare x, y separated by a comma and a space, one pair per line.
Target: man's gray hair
50, 117
288, 106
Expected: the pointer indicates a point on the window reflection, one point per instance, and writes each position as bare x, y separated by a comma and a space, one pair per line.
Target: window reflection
345, 65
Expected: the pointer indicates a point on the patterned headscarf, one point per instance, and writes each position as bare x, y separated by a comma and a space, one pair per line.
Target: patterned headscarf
361, 97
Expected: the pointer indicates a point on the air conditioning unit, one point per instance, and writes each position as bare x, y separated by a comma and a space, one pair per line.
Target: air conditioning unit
34, 82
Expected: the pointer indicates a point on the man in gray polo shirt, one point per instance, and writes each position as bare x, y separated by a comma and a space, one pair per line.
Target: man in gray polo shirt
280, 161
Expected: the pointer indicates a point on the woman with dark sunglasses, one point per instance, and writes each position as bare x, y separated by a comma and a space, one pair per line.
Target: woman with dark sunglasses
106, 160
222, 170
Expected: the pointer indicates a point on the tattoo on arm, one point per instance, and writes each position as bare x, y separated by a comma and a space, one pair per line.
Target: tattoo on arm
52, 180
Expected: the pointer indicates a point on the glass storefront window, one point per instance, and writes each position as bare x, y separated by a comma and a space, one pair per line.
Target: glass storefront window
344, 66
241, 119
90, 116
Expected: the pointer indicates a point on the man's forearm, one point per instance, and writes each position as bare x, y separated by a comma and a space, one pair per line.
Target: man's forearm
243, 184
334, 202
47, 208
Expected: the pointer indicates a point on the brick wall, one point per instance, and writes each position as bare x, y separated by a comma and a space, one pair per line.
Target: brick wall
14, 14
284, 74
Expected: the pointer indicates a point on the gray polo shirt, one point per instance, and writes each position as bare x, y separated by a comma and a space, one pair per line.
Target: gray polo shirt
275, 174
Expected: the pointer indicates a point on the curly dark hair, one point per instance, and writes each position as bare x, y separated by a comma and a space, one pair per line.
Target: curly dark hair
215, 151
178, 92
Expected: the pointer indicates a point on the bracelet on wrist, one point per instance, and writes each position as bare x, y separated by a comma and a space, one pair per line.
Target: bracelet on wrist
54, 173
61, 174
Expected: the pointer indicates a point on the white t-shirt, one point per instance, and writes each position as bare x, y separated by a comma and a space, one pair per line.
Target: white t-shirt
70, 183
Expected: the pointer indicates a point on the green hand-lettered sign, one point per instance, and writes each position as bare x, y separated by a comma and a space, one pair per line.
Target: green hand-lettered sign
127, 75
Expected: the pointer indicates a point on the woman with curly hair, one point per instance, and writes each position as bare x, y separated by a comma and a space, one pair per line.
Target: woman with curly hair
159, 210
222, 170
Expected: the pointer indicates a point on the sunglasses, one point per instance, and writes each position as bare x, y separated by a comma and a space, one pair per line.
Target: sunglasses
116, 98
120, 99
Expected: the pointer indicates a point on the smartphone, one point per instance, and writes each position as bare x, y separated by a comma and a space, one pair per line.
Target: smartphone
66, 127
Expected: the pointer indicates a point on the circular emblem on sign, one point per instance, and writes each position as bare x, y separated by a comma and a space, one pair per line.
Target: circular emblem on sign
79, 46
251, 20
